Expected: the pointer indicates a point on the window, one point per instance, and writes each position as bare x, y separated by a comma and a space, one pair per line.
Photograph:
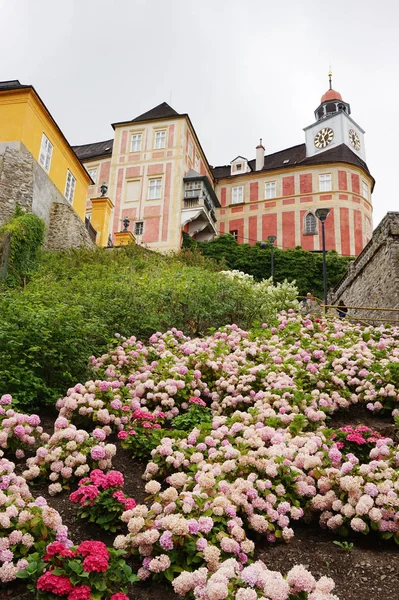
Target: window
70, 187
365, 190
238, 167
93, 174
154, 189
197, 164
135, 145
234, 233
132, 191
237, 195
325, 182
46, 151
192, 189
309, 223
138, 228
270, 190
160, 140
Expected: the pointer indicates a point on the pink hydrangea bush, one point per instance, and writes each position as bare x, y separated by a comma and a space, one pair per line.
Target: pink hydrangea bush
84, 572
359, 497
19, 433
359, 440
229, 579
69, 454
101, 499
26, 524
299, 366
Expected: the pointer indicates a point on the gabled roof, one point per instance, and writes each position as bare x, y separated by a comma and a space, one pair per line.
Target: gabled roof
296, 156
14, 84
239, 156
96, 150
162, 111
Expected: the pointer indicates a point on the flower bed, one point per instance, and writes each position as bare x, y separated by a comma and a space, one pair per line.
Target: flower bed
236, 428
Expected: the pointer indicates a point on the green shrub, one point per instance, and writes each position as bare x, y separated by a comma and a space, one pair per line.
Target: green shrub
79, 299
24, 234
301, 266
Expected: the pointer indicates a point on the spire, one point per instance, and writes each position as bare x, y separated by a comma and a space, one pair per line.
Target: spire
330, 78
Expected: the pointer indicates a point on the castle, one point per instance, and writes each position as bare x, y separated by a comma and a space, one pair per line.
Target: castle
152, 180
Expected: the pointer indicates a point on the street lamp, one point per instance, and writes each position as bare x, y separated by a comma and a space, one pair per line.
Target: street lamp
322, 214
271, 239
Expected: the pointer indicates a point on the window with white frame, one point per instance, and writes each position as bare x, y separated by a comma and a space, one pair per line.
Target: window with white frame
325, 182
365, 190
70, 187
309, 225
237, 195
46, 152
154, 189
234, 233
135, 144
160, 140
93, 173
138, 227
270, 190
192, 189
197, 164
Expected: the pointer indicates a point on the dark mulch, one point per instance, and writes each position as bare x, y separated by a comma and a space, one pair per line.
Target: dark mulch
368, 572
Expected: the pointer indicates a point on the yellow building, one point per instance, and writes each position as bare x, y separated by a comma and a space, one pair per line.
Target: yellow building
24, 119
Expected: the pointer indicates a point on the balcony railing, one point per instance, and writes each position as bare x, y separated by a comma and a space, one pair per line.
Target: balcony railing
90, 229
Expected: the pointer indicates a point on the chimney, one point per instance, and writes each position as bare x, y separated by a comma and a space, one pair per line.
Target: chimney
260, 156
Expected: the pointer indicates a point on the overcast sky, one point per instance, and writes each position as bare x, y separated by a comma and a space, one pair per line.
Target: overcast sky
241, 69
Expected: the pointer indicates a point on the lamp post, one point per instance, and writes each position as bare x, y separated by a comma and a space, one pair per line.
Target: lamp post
322, 214
271, 239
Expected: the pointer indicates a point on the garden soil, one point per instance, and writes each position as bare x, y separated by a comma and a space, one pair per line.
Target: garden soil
370, 571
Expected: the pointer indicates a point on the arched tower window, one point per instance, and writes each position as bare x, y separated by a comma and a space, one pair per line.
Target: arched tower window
309, 225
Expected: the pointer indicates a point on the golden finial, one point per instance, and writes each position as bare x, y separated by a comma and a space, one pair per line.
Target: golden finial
330, 78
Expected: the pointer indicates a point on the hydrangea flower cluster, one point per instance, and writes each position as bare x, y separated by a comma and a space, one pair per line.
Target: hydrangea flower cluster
252, 583
19, 433
69, 454
359, 440
102, 500
90, 570
25, 522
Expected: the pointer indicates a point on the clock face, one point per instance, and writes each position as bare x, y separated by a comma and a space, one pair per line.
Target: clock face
324, 137
354, 139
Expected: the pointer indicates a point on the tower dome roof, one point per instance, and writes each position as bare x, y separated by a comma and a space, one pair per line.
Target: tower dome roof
330, 95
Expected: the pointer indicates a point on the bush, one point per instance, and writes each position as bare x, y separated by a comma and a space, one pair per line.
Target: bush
79, 299
23, 235
301, 266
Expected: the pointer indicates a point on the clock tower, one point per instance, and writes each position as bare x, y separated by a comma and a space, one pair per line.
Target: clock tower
334, 126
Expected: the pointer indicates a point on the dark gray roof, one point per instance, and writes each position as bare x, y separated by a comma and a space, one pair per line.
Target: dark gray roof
90, 151
12, 84
162, 111
296, 156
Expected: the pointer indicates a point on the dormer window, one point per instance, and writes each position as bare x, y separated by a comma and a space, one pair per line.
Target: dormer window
239, 165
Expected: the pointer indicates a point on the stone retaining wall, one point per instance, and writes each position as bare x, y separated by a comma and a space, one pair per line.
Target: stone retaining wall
24, 182
373, 278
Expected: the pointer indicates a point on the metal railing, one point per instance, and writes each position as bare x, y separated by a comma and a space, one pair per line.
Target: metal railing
327, 309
